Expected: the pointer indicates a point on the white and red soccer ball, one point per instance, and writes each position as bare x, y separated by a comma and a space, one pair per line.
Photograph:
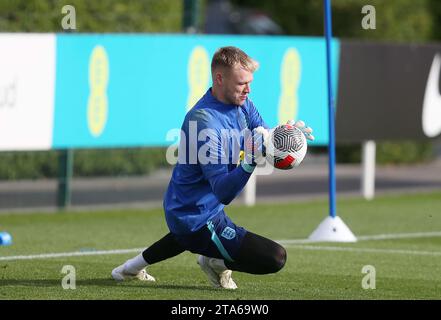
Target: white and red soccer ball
286, 147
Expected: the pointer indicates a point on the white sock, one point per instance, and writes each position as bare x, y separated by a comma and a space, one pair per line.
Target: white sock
218, 264
135, 264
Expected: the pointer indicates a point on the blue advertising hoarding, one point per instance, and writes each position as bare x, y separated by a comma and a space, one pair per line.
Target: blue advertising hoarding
116, 90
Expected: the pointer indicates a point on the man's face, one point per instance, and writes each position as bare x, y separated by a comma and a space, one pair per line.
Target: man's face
236, 85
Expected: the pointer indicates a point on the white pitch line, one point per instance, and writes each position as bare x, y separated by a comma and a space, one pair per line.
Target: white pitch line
392, 236
70, 254
295, 243
401, 236
372, 250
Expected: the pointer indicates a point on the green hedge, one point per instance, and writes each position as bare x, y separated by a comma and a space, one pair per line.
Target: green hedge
94, 162
92, 15
404, 152
118, 161
387, 152
27, 165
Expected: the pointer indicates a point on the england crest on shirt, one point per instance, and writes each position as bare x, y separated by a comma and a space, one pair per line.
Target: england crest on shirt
228, 233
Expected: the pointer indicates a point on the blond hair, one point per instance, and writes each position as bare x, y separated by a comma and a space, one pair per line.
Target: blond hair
229, 57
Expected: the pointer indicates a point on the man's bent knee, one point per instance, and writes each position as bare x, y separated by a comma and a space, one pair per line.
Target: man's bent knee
276, 261
279, 259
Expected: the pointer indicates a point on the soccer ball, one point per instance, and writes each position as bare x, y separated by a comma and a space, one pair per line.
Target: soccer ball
286, 147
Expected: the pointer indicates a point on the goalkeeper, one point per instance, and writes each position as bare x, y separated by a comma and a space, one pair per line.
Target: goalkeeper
201, 185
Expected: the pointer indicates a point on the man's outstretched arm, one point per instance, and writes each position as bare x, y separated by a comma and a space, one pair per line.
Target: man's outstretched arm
227, 186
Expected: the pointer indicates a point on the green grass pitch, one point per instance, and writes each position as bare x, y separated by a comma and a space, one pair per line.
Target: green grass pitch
405, 268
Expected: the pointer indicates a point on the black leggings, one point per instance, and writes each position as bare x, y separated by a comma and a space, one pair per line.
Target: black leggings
257, 255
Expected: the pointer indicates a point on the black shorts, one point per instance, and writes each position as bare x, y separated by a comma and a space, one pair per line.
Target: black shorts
220, 238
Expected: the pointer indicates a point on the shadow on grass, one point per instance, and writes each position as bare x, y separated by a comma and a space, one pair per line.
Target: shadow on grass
100, 283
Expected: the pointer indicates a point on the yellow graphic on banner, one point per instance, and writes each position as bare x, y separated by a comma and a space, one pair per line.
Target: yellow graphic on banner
198, 75
97, 108
289, 82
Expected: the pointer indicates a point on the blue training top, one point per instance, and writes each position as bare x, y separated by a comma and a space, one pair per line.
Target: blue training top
206, 176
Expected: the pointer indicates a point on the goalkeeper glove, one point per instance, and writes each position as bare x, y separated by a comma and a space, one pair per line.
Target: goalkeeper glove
303, 127
254, 148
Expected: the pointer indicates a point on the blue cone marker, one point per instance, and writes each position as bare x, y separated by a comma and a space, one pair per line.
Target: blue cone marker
5, 239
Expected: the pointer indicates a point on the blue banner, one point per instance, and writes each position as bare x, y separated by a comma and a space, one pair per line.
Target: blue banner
118, 90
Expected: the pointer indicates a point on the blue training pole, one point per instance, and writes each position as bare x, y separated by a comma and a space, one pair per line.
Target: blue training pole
331, 113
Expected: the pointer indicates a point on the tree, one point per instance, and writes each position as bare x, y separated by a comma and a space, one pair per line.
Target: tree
404, 20
92, 16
